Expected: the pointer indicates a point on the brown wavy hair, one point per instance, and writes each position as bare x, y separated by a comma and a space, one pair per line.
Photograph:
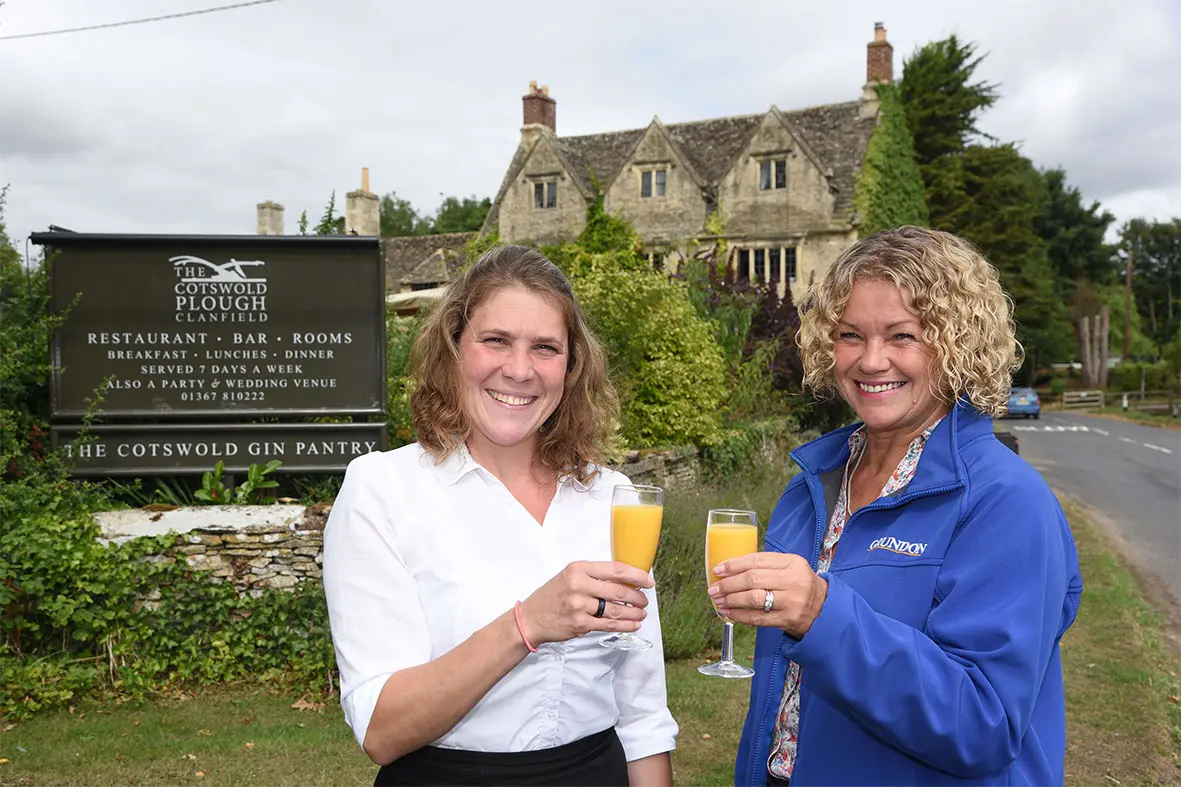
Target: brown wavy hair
575, 437
955, 292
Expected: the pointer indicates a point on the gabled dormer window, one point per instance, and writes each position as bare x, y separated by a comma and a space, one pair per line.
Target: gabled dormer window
772, 174
653, 182
545, 195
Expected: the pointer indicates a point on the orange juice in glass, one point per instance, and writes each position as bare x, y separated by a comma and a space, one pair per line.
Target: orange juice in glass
729, 533
636, 512
635, 531
724, 541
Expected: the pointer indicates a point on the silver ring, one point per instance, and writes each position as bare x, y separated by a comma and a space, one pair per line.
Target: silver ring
768, 601
598, 613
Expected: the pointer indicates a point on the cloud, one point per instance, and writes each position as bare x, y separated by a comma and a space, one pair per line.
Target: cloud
184, 125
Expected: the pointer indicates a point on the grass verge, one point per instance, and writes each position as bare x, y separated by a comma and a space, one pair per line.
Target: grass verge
1158, 418
1123, 712
1122, 695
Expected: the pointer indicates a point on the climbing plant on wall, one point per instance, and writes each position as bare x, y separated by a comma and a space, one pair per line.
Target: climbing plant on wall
889, 191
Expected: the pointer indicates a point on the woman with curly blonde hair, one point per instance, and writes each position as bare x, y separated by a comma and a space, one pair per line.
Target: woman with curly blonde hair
917, 574
462, 571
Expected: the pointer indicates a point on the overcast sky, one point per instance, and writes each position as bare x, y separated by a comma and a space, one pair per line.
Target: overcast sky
184, 125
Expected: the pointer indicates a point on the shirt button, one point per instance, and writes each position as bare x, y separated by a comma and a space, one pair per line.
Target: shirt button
550, 715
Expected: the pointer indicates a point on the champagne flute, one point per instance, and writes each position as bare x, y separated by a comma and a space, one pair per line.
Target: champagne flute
729, 533
636, 511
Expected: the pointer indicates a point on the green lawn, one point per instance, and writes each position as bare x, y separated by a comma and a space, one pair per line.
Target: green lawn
1123, 716
233, 736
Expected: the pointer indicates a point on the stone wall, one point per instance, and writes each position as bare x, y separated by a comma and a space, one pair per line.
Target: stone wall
675, 471
254, 557
671, 218
520, 221
806, 203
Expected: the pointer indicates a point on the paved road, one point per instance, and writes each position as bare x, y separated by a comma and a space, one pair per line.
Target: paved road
1129, 472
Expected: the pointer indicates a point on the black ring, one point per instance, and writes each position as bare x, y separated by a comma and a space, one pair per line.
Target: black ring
598, 613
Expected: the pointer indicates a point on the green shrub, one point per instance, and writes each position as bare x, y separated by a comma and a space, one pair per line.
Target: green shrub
30, 684
399, 337
80, 614
748, 444
1127, 376
663, 356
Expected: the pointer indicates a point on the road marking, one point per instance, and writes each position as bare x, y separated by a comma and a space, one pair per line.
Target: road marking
1074, 428
1158, 448
1100, 431
1127, 440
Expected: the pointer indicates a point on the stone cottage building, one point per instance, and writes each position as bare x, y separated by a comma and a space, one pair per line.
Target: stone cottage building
782, 179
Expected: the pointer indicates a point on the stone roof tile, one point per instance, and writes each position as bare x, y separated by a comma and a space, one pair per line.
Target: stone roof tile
712, 145
404, 255
600, 154
838, 135
437, 268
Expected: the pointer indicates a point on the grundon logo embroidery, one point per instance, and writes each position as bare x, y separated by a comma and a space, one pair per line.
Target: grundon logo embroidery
891, 544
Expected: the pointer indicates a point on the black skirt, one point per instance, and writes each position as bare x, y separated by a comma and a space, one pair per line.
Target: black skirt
592, 761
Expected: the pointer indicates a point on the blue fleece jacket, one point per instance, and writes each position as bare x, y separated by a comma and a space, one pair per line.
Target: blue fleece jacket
934, 659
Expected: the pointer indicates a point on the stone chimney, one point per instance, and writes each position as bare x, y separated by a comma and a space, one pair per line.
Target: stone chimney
540, 109
270, 218
879, 68
361, 213
879, 57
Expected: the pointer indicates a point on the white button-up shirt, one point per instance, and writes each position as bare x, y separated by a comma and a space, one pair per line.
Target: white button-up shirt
419, 556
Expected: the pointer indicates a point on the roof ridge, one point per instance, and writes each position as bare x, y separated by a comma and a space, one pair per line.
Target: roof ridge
441, 234
666, 125
745, 116
822, 106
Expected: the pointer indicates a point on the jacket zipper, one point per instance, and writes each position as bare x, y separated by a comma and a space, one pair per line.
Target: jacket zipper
759, 754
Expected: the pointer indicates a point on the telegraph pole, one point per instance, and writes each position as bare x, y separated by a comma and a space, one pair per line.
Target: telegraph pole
1128, 310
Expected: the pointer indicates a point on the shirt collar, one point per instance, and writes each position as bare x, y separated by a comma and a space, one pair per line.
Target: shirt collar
857, 439
455, 466
459, 463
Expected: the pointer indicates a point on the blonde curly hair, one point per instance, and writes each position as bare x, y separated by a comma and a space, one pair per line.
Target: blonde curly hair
575, 437
955, 292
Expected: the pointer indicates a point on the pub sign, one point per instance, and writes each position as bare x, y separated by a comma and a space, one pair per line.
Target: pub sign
178, 326
191, 340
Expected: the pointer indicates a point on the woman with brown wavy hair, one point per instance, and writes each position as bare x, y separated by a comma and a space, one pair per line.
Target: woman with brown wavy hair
917, 574
463, 571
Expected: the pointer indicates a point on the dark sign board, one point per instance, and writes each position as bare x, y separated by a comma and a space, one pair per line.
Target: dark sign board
232, 326
147, 449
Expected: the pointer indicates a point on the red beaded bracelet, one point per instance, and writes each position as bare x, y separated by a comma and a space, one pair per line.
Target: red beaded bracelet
521, 629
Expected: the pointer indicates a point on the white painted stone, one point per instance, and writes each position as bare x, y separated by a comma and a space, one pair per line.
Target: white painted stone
133, 523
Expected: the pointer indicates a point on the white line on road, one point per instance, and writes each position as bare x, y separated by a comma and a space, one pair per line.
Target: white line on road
1074, 428
1127, 439
1158, 448
1100, 431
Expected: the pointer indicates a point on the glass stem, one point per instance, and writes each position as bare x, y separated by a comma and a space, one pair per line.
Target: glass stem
727, 641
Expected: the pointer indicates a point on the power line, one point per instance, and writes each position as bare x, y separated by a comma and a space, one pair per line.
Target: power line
137, 21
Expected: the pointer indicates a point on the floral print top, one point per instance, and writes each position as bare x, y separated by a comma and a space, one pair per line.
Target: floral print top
787, 725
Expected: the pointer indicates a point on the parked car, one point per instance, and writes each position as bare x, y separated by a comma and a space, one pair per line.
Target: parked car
1025, 401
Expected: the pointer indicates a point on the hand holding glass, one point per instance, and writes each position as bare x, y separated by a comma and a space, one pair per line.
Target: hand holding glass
728, 534
636, 512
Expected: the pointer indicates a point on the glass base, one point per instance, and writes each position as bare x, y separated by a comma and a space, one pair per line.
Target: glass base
625, 641
726, 669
